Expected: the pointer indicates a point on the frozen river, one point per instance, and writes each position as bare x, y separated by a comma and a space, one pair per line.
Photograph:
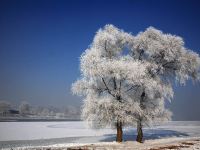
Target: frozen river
46, 130
14, 134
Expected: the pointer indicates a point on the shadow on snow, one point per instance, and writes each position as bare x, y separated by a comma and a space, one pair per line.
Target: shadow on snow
149, 134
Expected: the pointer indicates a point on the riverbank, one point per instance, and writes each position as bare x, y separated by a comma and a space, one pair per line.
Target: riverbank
157, 144
72, 133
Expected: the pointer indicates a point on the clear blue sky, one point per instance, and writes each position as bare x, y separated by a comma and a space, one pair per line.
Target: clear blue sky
41, 41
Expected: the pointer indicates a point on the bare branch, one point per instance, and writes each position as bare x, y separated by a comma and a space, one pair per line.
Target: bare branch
120, 83
132, 87
107, 87
115, 84
140, 55
105, 47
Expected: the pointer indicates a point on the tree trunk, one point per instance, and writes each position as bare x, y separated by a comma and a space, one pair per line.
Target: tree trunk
139, 122
119, 132
139, 132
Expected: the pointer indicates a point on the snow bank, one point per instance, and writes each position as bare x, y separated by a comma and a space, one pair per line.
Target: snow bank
64, 134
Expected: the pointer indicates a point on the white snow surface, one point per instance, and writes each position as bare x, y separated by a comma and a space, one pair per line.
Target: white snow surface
148, 144
73, 133
46, 130
11, 131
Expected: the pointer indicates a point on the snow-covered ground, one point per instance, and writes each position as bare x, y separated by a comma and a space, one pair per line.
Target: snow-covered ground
15, 134
46, 130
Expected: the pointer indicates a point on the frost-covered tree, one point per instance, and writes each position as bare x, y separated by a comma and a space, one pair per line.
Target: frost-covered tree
172, 62
4, 107
125, 79
71, 111
24, 108
45, 112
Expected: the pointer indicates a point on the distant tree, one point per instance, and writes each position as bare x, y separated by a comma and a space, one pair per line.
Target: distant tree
24, 108
4, 107
71, 111
129, 88
45, 112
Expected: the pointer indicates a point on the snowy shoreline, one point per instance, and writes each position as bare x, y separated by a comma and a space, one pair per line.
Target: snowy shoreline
72, 133
157, 144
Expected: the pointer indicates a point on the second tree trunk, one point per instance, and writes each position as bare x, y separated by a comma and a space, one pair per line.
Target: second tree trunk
139, 132
119, 132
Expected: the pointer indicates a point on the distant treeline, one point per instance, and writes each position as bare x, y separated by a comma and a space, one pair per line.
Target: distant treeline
27, 112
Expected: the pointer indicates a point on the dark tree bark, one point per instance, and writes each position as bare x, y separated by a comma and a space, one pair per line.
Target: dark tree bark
119, 132
139, 132
139, 122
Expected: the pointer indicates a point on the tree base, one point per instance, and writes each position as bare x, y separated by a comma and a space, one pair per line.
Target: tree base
119, 132
139, 132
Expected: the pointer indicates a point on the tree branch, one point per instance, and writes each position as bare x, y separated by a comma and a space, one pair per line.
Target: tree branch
115, 84
168, 63
107, 87
120, 83
132, 87
105, 47
140, 55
